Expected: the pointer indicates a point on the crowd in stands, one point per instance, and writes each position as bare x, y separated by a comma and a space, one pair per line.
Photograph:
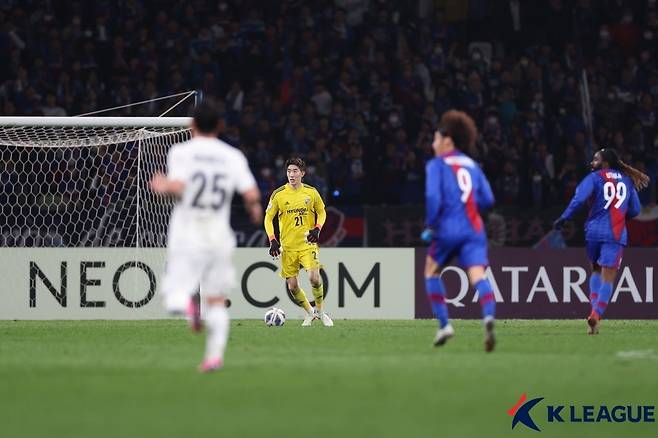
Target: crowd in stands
356, 87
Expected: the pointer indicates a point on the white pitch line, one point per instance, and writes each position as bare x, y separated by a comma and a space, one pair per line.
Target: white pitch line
638, 354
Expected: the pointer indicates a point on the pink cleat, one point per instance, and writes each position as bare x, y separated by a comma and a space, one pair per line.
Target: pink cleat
210, 365
194, 313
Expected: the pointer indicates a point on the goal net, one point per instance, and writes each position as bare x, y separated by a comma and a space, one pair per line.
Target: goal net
83, 181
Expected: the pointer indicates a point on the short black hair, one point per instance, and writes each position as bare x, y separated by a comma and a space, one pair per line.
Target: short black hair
206, 117
296, 161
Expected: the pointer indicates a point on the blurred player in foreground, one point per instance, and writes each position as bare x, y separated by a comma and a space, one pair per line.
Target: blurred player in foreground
203, 173
610, 190
455, 192
301, 215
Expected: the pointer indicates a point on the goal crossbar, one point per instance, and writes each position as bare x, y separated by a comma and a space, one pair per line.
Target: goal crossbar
96, 122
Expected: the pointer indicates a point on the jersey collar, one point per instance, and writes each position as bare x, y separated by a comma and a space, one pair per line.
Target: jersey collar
290, 187
449, 154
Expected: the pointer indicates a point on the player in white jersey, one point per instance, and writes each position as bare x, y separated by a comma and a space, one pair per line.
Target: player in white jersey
203, 173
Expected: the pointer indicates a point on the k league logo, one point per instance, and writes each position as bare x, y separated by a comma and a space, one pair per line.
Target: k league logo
521, 412
620, 413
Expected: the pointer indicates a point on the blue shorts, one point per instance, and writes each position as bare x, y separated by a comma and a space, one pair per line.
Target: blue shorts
471, 251
605, 254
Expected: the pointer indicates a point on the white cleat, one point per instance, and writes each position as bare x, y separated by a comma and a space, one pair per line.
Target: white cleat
309, 318
326, 320
443, 334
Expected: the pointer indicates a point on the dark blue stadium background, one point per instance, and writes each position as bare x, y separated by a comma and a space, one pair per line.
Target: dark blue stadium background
356, 88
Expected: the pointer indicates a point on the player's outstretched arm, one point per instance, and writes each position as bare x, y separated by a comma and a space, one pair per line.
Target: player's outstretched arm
162, 185
172, 183
252, 205
583, 193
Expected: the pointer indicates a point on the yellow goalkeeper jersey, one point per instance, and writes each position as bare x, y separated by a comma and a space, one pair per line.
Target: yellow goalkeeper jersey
298, 212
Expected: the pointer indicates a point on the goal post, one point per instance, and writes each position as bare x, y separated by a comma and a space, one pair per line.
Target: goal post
83, 181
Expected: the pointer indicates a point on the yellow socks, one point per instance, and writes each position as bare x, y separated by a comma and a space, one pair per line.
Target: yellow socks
300, 298
318, 294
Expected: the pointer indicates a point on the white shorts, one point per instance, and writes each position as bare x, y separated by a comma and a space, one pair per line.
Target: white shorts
188, 270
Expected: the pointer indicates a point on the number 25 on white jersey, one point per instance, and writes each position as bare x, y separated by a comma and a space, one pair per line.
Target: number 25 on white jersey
208, 192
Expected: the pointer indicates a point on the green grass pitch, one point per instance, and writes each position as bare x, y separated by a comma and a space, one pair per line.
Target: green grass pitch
97, 379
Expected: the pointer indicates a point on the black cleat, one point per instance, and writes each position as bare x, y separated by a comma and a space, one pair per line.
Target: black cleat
489, 338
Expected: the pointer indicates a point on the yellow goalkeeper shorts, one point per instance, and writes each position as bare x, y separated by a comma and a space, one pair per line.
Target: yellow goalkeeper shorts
292, 261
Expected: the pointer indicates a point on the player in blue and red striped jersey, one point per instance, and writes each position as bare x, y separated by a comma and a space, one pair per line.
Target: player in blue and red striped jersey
611, 192
455, 192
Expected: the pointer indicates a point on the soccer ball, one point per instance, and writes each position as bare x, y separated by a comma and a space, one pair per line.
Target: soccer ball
275, 317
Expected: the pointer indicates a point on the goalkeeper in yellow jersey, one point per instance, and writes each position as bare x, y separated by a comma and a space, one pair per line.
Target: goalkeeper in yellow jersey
300, 211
